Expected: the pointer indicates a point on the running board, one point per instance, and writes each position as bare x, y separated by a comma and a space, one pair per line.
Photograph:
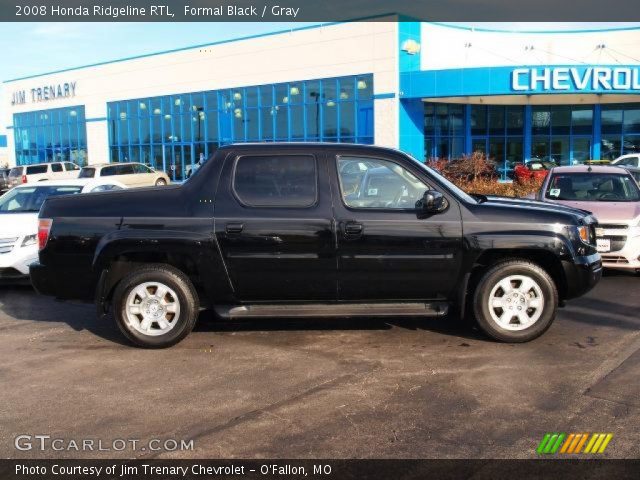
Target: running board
432, 309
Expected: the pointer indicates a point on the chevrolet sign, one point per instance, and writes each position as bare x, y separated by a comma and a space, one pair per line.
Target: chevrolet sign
576, 79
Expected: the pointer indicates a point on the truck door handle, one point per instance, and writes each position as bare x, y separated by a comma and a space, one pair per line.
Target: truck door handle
353, 228
234, 227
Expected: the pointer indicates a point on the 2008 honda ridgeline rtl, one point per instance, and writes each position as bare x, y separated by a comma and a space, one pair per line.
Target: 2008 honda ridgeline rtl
276, 230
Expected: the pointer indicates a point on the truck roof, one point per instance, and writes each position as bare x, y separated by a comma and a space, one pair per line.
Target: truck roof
310, 145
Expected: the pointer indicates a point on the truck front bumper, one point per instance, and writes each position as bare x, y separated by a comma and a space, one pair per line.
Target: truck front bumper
582, 274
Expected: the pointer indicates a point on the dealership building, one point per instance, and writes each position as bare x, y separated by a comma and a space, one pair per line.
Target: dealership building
430, 89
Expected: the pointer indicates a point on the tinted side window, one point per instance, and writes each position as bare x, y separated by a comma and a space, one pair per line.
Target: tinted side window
87, 173
276, 181
71, 166
56, 167
124, 169
37, 169
16, 171
139, 168
108, 171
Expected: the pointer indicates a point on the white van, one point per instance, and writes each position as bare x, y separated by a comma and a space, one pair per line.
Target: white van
42, 171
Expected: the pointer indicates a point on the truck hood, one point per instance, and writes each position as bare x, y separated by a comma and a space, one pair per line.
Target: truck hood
606, 211
18, 224
525, 203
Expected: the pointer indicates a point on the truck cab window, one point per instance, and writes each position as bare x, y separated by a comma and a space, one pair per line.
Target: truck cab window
276, 181
374, 183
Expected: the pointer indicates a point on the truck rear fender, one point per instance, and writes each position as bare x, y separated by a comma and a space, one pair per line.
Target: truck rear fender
195, 254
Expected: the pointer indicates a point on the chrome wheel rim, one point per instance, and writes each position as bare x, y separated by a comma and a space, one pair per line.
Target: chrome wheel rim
152, 309
516, 302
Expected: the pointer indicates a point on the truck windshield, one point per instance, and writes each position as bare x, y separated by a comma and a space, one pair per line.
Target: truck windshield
593, 187
30, 199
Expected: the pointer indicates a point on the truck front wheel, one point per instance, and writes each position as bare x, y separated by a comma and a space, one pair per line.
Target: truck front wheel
515, 301
155, 306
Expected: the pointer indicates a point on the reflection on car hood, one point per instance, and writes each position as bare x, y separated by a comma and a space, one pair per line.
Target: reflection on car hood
530, 203
18, 224
606, 211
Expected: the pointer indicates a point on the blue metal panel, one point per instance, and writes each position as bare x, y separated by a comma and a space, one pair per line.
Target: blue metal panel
381, 96
412, 127
468, 143
597, 133
3, 141
408, 31
526, 147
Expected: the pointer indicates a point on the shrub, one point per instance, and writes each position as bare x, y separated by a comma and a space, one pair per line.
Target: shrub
476, 174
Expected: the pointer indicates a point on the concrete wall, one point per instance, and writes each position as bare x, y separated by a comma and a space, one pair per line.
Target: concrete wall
444, 47
328, 51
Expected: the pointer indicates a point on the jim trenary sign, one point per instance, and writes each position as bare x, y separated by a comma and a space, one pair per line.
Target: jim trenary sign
576, 79
44, 93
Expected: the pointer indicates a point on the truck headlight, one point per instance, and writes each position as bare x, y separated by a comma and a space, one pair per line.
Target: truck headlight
583, 233
29, 240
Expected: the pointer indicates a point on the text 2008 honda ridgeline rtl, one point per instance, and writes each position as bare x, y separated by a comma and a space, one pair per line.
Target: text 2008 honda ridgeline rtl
278, 230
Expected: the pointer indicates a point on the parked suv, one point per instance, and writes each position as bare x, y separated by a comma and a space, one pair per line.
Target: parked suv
629, 160
4, 180
289, 230
132, 174
612, 195
42, 171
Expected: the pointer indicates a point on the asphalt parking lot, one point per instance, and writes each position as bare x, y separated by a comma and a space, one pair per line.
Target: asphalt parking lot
321, 388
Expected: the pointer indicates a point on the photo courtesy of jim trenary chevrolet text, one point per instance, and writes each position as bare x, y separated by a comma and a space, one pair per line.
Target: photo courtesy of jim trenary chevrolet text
283, 239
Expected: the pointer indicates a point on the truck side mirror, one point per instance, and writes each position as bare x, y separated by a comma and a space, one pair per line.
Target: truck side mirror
432, 202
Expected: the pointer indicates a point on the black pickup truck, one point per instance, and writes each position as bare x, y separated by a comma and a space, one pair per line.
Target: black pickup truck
278, 230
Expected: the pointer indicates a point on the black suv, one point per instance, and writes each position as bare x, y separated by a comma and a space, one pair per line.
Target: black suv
277, 230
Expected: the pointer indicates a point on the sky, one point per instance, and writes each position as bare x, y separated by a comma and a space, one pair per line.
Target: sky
35, 48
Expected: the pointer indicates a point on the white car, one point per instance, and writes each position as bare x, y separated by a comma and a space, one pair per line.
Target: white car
629, 160
19, 209
39, 172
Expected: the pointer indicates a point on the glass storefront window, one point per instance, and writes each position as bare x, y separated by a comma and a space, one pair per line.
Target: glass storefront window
582, 120
611, 120
175, 129
514, 120
631, 121
478, 120
610, 147
496, 120
540, 120
560, 120
51, 135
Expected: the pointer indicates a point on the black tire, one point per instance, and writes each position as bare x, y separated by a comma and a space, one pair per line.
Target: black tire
187, 299
490, 280
160, 182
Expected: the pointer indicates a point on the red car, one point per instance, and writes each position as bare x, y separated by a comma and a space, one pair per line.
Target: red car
533, 169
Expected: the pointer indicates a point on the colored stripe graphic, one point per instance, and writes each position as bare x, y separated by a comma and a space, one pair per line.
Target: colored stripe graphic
550, 443
573, 443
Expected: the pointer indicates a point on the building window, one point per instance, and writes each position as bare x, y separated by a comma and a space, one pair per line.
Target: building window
498, 132
443, 130
561, 133
174, 132
620, 130
55, 135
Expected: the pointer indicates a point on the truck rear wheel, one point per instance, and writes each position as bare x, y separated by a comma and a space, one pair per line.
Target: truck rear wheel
155, 306
515, 301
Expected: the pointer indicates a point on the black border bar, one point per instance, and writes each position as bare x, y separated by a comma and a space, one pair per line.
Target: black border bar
325, 469
317, 10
